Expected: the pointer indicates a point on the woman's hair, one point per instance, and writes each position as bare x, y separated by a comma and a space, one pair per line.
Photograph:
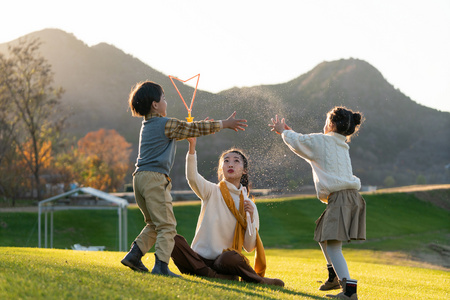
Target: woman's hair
142, 96
244, 178
344, 121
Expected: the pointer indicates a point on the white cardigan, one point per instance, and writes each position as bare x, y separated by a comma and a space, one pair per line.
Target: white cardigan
328, 155
216, 223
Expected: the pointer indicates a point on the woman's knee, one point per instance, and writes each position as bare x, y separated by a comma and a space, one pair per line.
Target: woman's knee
179, 239
229, 258
180, 243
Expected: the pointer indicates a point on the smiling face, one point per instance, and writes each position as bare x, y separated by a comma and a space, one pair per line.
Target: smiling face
232, 167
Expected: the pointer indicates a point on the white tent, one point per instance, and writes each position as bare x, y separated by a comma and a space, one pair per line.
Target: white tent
50, 205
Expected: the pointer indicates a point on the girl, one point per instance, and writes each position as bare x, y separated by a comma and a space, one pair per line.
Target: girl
344, 218
223, 226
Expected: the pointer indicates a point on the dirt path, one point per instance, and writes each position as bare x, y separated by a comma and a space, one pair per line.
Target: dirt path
438, 194
413, 188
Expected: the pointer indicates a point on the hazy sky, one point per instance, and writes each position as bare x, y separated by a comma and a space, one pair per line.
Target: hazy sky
246, 43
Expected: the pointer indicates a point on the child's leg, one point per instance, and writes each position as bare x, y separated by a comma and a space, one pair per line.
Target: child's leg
334, 250
147, 237
332, 282
155, 189
349, 286
323, 246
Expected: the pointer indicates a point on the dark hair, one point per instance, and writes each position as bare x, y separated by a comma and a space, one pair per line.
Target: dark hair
345, 121
142, 96
244, 178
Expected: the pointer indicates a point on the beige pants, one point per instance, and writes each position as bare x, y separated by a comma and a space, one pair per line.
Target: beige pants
152, 193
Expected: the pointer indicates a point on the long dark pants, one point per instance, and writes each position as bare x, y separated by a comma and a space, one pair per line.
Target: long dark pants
229, 265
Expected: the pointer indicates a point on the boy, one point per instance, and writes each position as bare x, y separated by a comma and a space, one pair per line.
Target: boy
151, 181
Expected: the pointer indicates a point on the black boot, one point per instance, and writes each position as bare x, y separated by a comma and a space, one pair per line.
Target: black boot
332, 283
133, 259
161, 268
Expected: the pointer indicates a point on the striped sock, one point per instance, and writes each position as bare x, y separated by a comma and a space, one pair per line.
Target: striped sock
350, 287
331, 273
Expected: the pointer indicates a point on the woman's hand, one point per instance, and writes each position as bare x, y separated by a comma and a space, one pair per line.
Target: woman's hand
248, 207
192, 142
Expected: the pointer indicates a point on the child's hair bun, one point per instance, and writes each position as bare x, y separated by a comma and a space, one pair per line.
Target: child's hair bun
357, 118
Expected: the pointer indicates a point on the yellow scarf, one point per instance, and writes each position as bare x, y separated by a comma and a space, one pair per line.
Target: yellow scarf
241, 227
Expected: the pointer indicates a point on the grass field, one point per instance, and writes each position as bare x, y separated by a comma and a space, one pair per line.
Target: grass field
400, 230
30, 273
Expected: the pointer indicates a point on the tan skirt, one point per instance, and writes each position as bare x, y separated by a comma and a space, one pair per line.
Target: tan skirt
344, 219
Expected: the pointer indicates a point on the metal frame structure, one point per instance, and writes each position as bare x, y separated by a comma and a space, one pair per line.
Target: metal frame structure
46, 206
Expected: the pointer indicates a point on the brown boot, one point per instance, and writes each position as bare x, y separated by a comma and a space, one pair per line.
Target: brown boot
332, 283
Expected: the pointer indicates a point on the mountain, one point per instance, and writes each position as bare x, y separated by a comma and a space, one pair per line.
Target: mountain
399, 137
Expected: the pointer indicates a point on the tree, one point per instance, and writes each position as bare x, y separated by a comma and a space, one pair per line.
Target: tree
389, 181
33, 117
105, 160
421, 179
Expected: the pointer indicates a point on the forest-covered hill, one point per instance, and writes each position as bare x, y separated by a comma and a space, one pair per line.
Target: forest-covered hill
399, 138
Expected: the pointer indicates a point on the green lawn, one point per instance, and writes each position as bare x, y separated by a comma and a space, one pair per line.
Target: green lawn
398, 227
395, 222
30, 273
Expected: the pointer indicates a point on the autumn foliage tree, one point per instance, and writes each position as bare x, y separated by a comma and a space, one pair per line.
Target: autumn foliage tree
32, 117
103, 160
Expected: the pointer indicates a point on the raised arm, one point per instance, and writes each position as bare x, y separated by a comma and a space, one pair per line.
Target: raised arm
235, 124
180, 130
279, 125
302, 145
201, 187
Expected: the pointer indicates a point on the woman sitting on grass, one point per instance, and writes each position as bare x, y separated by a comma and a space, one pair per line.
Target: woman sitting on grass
222, 228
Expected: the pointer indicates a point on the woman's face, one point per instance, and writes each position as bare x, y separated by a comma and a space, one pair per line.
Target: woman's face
232, 167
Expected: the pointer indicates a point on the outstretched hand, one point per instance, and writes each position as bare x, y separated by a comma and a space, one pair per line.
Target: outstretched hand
279, 125
235, 124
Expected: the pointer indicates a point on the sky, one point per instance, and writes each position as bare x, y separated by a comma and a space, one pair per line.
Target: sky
248, 43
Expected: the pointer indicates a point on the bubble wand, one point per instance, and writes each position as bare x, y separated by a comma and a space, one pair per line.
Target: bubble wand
247, 214
249, 224
189, 109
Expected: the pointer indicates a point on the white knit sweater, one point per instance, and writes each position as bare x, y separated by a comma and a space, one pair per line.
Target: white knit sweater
328, 155
216, 223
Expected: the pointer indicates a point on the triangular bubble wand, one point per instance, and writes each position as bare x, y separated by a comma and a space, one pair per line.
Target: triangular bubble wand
189, 109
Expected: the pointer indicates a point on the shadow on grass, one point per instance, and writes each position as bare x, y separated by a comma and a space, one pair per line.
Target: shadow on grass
235, 286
